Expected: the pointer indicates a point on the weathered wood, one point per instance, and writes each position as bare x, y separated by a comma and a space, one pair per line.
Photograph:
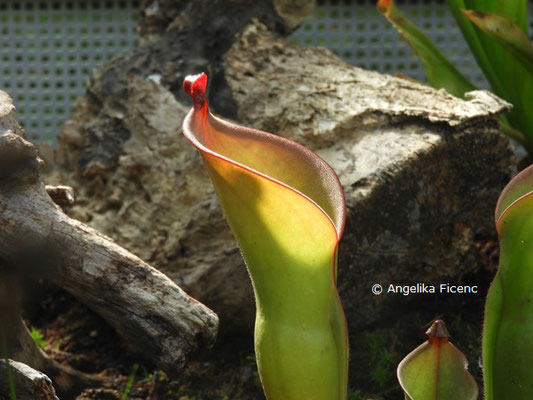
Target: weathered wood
29, 383
158, 319
61, 195
309, 94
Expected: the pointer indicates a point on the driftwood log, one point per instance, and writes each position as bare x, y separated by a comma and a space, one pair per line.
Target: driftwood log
158, 319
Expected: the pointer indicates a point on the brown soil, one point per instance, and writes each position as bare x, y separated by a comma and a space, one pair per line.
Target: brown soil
75, 336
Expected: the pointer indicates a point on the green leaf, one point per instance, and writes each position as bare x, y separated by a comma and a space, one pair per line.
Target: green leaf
5, 355
506, 33
441, 73
436, 370
129, 384
505, 72
286, 208
480, 47
38, 338
508, 325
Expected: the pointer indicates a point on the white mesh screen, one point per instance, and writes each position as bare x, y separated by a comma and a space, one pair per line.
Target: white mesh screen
47, 48
356, 32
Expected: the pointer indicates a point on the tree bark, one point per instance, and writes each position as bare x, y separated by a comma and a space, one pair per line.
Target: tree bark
159, 320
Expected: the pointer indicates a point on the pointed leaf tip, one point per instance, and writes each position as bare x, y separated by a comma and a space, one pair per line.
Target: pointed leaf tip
508, 33
195, 86
473, 14
384, 5
438, 332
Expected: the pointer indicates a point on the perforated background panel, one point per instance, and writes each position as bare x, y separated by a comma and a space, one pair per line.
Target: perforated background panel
356, 32
47, 48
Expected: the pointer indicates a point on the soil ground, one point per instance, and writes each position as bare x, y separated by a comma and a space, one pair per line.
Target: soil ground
74, 335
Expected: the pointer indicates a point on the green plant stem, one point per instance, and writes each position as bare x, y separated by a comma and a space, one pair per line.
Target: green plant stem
512, 132
131, 379
5, 355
